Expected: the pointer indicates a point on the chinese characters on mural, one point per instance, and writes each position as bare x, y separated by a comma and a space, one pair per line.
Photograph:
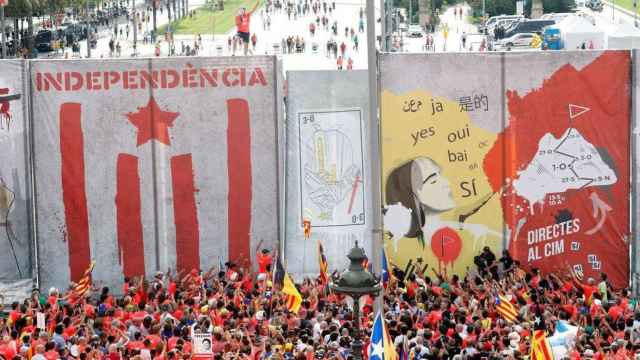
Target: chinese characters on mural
551, 185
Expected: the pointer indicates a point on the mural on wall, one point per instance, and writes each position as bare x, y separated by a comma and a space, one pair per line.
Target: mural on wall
15, 256
143, 167
566, 174
551, 183
439, 205
331, 171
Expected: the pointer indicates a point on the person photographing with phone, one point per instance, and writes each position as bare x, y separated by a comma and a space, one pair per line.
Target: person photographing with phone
243, 28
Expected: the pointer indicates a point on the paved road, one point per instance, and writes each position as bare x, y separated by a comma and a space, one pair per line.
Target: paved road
609, 17
447, 37
346, 15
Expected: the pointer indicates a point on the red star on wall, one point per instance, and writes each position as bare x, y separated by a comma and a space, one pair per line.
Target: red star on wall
152, 123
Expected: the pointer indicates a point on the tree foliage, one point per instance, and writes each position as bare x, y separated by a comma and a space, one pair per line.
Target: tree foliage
508, 7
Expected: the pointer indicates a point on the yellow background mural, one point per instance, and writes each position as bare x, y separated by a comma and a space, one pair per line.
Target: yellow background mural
432, 157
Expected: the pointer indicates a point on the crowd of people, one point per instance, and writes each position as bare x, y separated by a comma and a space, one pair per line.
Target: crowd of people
428, 315
320, 18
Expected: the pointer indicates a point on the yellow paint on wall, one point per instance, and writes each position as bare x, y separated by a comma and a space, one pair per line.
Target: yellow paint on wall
420, 125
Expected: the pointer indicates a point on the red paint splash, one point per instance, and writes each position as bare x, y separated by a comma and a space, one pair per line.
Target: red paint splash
74, 196
185, 213
4, 105
128, 216
240, 172
604, 87
446, 245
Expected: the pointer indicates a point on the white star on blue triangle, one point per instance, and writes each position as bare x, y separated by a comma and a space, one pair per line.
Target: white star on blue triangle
376, 349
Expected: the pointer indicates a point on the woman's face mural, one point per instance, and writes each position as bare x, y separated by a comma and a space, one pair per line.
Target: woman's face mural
430, 187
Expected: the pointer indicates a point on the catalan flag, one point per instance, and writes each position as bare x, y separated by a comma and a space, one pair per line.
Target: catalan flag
84, 284
506, 309
306, 226
293, 297
324, 266
540, 348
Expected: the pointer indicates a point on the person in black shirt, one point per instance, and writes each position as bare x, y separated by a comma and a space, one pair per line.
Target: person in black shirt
488, 263
507, 261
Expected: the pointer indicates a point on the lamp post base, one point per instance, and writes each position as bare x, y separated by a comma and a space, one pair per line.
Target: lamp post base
356, 349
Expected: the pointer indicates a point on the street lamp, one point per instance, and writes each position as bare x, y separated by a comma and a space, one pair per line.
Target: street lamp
356, 282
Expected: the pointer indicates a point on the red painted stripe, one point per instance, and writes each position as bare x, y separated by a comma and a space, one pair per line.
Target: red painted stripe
185, 213
74, 196
129, 218
353, 193
239, 170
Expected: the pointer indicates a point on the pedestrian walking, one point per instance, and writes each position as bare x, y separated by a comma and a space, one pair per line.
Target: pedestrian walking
339, 62
254, 41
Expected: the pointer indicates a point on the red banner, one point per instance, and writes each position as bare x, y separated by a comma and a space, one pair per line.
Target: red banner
564, 170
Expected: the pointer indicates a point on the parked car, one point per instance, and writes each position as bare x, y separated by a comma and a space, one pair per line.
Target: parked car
44, 47
595, 5
515, 41
528, 26
415, 31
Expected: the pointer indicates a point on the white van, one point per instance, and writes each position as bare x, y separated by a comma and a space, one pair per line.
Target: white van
493, 21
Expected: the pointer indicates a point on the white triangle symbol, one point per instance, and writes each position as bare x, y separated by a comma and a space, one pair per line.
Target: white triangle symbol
577, 110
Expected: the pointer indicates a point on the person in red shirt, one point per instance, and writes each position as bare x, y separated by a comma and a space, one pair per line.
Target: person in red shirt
243, 29
264, 260
254, 41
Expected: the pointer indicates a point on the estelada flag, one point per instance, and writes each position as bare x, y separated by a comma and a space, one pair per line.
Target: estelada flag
381, 346
293, 297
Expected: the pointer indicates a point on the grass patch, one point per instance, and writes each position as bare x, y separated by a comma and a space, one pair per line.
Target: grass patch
475, 20
627, 4
203, 20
